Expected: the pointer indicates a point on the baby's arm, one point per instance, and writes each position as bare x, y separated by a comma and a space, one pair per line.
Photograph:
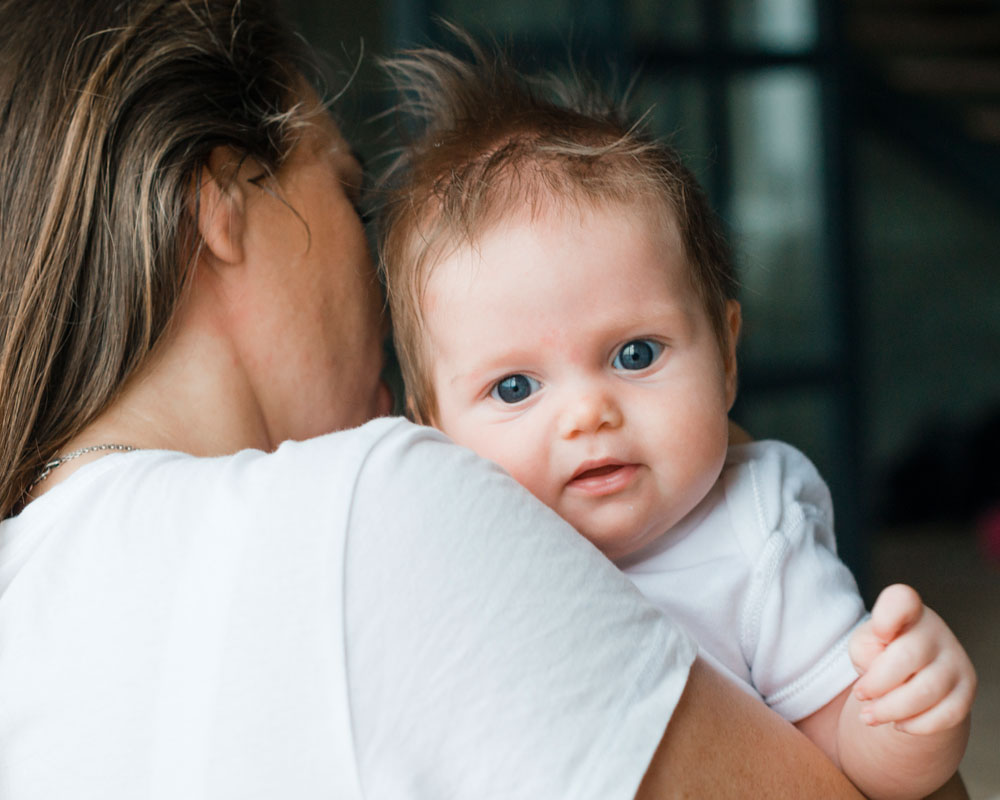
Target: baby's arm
901, 729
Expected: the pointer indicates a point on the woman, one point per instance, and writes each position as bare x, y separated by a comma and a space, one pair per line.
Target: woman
190, 608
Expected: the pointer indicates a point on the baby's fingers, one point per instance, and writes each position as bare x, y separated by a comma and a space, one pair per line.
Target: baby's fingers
947, 714
864, 647
897, 608
919, 697
895, 665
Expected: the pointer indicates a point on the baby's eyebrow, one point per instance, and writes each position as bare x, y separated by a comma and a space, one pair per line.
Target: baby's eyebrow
481, 373
461, 377
469, 380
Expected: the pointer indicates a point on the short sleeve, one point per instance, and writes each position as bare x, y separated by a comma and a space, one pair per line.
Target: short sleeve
803, 601
492, 651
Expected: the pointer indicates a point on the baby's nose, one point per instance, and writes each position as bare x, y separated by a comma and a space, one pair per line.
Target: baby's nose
588, 413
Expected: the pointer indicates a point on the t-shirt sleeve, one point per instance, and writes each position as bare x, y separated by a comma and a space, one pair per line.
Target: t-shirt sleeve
492, 652
803, 601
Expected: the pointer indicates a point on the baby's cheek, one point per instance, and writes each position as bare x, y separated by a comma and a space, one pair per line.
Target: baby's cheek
522, 472
519, 454
532, 475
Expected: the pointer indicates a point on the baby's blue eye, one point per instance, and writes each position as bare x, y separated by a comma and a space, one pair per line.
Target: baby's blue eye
637, 354
514, 388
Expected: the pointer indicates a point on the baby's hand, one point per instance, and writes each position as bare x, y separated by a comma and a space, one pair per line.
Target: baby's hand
913, 670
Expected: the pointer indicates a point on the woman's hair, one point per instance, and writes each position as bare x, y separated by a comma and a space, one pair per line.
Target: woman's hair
110, 109
488, 141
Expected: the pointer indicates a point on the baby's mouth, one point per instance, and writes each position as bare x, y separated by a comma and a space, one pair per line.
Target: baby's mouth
597, 472
603, 478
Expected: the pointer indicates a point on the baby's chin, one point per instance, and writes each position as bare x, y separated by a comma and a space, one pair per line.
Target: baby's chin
616, 542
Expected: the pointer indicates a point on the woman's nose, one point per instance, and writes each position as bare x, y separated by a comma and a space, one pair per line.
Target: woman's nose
588, 413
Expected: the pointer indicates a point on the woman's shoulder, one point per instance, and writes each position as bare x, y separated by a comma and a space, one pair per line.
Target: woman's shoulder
384, 435
308, 478
306, 483
294, 463
391, 452
299, 478
300, 497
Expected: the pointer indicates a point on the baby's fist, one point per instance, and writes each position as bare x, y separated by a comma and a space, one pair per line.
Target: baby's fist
897, 608
913, 670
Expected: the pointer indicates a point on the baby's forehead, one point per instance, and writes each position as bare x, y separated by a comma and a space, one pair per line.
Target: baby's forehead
556, 216
540, 245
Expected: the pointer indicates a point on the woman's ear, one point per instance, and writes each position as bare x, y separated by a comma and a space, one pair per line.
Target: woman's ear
734, 321
222, 206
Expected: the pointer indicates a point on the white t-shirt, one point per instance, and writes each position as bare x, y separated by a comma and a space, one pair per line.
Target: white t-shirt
374, 613
753, 574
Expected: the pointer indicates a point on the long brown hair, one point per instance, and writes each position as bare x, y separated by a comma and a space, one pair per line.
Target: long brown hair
108, 111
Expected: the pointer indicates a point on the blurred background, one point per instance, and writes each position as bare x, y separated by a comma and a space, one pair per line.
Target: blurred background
853, 150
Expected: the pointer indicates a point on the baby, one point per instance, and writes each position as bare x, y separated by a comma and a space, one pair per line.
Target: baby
563, 303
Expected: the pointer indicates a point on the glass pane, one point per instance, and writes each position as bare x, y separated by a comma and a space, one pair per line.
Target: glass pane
774, 24
777, 214
672, 22
678, 113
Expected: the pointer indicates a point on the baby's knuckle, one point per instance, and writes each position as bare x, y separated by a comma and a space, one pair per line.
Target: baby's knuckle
934, 686
907, 651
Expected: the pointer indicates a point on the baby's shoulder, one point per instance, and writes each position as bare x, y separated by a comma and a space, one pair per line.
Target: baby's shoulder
771, 487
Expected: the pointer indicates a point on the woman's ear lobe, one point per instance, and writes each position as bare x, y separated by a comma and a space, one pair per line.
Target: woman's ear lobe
222, 206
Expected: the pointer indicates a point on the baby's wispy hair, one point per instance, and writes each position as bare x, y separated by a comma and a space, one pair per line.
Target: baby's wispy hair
483, 141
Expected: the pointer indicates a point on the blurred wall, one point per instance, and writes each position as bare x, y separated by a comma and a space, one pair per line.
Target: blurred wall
930, 253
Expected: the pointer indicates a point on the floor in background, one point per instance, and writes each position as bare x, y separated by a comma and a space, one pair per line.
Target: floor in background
947, 569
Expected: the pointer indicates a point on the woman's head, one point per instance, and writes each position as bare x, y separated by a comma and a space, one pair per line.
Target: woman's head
110, 110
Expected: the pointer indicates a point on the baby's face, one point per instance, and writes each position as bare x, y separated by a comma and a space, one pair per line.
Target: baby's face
572, 350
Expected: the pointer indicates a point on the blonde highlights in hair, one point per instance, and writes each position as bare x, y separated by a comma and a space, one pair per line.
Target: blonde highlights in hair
110, 110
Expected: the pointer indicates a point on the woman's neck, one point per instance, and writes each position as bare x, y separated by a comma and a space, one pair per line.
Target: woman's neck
193, 395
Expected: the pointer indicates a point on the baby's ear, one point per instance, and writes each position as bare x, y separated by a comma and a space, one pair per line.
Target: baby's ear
222, 206
734, 322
